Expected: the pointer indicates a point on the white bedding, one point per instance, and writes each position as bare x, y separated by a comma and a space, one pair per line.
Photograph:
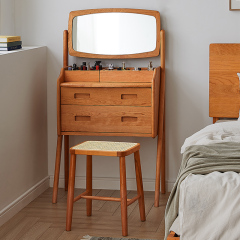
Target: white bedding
214, 133
209, 205
210, 211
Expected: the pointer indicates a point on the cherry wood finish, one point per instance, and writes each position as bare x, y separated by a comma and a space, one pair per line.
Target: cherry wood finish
106, 96
123, 184
81, 76
105, 10
132, 94
70, 197
215, 119
57, 169
224, 96
139, 186
89, 185
65, 48
160, 164
124, 76
173, 236
123, 196
110, 119
108, 84
66, 160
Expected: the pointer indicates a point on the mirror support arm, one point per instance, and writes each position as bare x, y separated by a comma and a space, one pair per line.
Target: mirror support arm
65, 48
160, 164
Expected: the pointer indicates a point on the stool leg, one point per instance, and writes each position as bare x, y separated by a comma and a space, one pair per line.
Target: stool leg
139, 186
57, 168
89, 184
123, 196
70, 197
66, 160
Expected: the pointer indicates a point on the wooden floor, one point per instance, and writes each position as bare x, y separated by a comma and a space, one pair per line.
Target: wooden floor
43, 220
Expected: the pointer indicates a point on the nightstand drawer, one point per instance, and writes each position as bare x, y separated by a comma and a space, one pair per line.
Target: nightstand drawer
106, 119
106, 96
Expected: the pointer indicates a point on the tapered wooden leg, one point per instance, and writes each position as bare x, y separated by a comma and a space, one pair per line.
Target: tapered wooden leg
158, 167
89, 184
215, 119
123, 196
70, 196
139, 186
66, 160
160, 164
57, 169
163, 183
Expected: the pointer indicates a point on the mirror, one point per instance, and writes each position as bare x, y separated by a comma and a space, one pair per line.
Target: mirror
114, 33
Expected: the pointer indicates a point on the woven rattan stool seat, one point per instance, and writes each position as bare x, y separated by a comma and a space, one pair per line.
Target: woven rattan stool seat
104, 148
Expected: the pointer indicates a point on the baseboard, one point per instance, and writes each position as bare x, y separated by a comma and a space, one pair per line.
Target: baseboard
112, 183
22, 201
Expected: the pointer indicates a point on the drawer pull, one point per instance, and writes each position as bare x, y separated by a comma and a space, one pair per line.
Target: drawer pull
83, 118
129, 119
128, 96
82, 95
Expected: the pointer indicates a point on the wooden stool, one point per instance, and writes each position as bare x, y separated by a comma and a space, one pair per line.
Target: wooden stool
102, 148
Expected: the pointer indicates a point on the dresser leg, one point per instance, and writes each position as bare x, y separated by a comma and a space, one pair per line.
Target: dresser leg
158, 167
163, 184
70, 196
66, 160
57, 168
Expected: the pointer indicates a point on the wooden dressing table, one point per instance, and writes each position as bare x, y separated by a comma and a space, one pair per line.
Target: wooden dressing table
111, 102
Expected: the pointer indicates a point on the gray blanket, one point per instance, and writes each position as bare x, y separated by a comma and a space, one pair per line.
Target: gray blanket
199, 159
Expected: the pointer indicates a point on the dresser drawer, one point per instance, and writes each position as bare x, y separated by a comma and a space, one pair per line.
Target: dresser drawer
106, 96
126, 76
108, 119
81, 76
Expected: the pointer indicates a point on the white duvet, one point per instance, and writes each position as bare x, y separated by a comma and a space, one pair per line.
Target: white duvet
209, 205
215, 133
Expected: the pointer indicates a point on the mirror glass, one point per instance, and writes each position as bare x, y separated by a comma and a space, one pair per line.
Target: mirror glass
114, 33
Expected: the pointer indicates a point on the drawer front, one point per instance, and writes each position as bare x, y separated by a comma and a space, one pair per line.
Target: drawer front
126, 76
106, 119
106, 96
81, 76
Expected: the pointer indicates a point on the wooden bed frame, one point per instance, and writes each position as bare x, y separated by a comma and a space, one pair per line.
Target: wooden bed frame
224, 86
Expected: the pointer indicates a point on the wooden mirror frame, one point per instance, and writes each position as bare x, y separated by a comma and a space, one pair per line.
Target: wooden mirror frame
153, 53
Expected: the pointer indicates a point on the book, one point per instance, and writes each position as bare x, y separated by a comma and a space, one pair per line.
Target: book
4, 39
10, 44
10, 48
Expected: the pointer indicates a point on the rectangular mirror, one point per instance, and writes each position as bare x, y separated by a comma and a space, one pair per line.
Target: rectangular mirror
114, 33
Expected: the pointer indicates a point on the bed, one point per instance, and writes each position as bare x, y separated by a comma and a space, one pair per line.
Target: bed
205, 202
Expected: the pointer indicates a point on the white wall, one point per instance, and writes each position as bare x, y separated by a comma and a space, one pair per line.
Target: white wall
190, 27
7, 17
23, 129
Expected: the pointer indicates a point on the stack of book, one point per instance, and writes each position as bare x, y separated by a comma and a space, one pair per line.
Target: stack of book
8, 43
